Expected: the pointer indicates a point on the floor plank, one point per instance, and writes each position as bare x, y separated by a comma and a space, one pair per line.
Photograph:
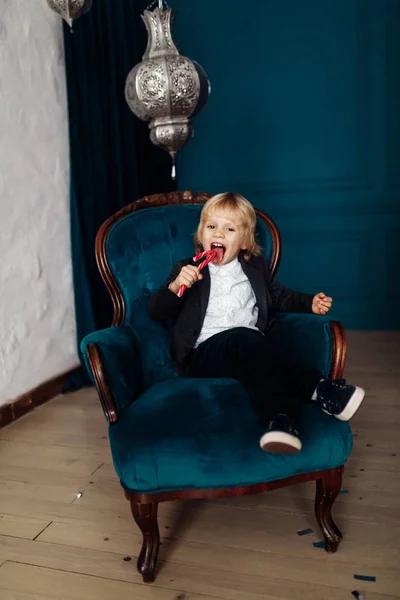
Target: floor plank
24, 527
57, 458
210, 530
27, 582
185, 578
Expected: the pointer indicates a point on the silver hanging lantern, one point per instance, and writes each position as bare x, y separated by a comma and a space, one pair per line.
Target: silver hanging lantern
70, 9
166, 88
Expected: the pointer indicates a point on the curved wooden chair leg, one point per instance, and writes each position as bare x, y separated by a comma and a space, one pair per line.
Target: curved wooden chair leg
145, 516
328, 488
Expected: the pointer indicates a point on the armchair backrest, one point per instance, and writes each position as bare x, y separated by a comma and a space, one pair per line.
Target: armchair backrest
135, 251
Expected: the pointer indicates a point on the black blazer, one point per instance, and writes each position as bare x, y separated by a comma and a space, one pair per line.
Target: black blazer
189, 311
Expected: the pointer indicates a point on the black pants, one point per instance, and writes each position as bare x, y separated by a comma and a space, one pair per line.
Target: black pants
272, 383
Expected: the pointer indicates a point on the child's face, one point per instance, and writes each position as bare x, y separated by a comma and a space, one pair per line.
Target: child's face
223, 233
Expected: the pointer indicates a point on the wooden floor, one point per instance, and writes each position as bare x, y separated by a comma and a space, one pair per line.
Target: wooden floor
55, 544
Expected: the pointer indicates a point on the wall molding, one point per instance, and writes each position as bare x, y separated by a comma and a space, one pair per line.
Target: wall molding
392, 236
360, 246
310, 185
359, 175
272, 203
392, 92
327, 210
39, 395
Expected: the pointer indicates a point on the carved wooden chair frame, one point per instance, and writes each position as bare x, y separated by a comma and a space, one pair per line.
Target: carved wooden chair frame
144, 506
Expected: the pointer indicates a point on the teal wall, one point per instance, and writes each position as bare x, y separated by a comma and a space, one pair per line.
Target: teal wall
304, 120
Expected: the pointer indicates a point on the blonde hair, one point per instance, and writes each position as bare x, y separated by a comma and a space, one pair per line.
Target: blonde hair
237, 206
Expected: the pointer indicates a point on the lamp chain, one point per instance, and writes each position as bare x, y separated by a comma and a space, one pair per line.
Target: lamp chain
162, 4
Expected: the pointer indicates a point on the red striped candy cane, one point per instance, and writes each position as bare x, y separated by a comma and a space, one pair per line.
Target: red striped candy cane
209, 255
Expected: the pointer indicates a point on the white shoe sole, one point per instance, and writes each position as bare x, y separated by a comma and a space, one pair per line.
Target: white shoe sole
279, 442
352, 406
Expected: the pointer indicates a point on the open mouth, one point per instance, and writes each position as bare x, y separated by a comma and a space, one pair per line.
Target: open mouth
220, 250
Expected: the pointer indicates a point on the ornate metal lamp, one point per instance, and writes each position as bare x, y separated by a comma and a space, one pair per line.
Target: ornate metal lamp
166, 88
70, 9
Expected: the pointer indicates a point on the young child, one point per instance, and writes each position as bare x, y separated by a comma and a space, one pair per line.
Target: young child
221, 325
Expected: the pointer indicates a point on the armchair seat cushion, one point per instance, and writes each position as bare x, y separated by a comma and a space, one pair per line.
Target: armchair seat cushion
202, 433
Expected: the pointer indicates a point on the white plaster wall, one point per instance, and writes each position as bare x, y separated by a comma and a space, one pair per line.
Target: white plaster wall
37, 324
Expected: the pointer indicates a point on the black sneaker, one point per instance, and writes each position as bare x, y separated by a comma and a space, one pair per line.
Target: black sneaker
337, 398
282, 436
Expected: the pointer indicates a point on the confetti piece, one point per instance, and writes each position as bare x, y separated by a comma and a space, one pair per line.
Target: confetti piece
358, 595
355, 434
127, 558
79, 495
304, 532
365, 577
344, 492
319, 544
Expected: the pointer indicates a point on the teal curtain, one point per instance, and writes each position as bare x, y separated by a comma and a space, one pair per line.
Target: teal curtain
112, 160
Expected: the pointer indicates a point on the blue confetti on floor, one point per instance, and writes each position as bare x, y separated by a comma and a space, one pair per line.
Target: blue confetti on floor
304, 532
365, 577
319, 544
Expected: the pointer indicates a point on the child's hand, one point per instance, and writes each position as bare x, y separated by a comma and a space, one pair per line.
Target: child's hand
321, 304
188, 276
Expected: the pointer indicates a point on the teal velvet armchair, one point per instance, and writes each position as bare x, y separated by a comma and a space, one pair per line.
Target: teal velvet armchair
176, 438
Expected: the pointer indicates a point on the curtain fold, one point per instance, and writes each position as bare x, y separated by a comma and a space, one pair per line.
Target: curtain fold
112, 161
